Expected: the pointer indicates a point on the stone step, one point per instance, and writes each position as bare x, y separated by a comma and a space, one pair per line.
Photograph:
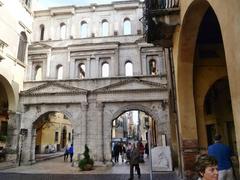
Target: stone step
18, 176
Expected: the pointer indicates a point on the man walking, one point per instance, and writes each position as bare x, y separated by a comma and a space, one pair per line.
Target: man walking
134, 162
70, 151
223, 155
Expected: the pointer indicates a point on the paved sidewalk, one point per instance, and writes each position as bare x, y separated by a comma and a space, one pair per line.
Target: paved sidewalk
58, 169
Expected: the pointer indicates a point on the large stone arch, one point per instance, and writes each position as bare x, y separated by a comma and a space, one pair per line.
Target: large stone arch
12, 104
33, 112
192, 14
139, 107
158, 110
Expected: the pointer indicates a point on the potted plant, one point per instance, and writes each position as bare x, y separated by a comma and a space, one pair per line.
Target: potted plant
86, 164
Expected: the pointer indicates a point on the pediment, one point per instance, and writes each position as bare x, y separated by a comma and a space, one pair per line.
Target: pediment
132, 85
53, 88
39, 46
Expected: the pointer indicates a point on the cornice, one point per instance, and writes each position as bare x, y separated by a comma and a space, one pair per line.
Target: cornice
108, 89
70, 90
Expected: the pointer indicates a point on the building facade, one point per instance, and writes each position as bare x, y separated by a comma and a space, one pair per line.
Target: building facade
91, 64
202, 36
16, 28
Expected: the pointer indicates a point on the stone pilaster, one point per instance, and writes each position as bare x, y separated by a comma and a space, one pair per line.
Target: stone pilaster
84, 127
100, 108
33, 145
13, 135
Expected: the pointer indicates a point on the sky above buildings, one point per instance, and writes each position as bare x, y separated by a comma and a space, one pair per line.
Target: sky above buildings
44, 4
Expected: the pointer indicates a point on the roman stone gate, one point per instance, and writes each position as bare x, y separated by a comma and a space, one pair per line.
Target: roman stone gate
91, 70
91, 111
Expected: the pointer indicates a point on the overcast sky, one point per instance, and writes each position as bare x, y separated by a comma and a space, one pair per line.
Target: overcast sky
44, 4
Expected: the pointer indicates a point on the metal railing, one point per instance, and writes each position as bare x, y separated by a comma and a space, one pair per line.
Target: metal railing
161, 4
152, 8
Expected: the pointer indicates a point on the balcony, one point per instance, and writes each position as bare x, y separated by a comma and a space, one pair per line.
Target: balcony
160, 18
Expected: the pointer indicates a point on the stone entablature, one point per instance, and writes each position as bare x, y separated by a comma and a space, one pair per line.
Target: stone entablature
94, 84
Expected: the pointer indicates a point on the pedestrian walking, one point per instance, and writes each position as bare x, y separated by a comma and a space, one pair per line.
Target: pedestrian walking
223, 154
70, 151
116, 150
128, 152
141, 151
147, 150
134, 162
206, 167
65, 155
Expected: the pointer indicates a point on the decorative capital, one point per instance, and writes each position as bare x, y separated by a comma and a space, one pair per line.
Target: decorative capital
84, 106
100, 105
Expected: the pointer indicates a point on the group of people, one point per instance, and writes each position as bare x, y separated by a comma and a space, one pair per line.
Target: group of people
122, 150
132, 153
67, 152
216, 164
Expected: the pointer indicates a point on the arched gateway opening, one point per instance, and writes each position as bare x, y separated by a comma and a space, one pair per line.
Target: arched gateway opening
7, 125
131, 127
54, 131
203, 94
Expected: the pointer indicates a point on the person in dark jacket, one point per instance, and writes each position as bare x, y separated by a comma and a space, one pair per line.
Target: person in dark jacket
116, 151
134, 161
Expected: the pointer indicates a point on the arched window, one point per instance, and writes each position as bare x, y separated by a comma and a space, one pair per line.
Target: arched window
126, 27
59, 72
105, 28
129, 69
82, 70
63, 29
38, 73
152, 67
105, 69
84, 30
22, 47
42, 32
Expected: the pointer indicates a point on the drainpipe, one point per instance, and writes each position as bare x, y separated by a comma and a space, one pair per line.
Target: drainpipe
173, 102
